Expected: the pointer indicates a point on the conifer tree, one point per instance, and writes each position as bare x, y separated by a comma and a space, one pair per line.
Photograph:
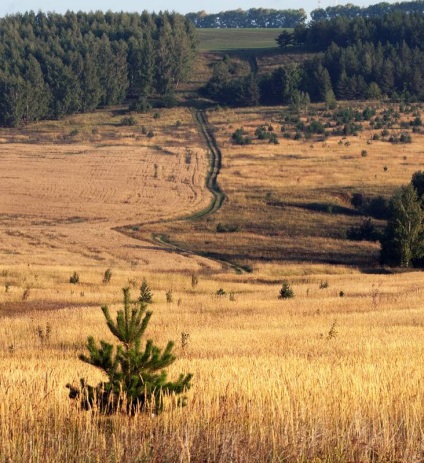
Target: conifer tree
146, 296
137, 378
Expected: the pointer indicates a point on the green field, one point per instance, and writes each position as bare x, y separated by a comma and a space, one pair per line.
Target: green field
237, 39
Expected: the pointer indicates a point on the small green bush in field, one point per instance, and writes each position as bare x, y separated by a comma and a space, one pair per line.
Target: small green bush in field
286, 292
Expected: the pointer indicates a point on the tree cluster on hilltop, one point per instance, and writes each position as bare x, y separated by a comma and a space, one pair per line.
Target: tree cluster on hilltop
52, 65
391, 28
252, 18
353, 11
358, 59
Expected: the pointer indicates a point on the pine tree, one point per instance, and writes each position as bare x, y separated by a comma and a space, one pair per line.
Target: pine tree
146, 296
137, 378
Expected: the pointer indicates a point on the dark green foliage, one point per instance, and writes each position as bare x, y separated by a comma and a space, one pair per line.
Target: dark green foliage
285, 39
141, 105
365, 232
378, 9
251, 18
128, 120
239, 137
137, 379
286, 292
226, 228
146, 295
74, 278
52, 65
262, 133
418, 183
403, 240
377, 206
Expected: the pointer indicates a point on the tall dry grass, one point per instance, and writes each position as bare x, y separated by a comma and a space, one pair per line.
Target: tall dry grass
316, 378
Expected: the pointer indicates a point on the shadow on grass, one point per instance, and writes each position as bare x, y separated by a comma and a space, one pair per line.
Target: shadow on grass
327, 208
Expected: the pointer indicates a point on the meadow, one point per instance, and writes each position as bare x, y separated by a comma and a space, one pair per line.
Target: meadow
236, 39
332, 375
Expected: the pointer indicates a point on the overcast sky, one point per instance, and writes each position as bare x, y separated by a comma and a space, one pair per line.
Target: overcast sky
180, 6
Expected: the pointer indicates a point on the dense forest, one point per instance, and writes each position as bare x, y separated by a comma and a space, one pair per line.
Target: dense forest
52, 65
361, 58
254, 17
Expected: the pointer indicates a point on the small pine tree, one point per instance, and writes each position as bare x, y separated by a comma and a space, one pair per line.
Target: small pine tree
74, 278
137, 378
286, 291
146, 295
107, 276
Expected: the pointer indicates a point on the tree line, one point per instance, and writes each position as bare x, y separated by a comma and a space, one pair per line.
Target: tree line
252, 18
52, 65
357, 59
353, 11
393, 28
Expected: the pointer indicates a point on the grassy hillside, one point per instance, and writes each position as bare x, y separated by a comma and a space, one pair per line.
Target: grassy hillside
291, 201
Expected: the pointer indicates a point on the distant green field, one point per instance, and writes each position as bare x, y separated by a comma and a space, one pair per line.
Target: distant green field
237, 39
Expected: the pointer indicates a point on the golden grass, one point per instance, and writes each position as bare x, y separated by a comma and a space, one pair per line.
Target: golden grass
333, 375
273, 382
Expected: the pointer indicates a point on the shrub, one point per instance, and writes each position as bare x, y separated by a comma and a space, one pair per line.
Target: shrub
262, 133
74, 278
128, 120
405, 138
365, 232
274, 139
286, 291
239, 137
221, 228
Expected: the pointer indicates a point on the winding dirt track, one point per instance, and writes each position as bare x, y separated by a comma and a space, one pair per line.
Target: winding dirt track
62, 204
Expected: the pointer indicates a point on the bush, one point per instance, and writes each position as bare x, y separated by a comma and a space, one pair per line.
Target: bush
128, 120
365, 232
221, 228
273, 139
286, 291
377, 207
74, 278
239, 137
405, 138
262, 133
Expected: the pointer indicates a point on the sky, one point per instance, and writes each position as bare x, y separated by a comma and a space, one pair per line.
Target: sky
179, 6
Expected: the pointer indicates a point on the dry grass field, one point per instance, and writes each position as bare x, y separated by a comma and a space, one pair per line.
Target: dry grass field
333, 375
65, 187
290, 202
